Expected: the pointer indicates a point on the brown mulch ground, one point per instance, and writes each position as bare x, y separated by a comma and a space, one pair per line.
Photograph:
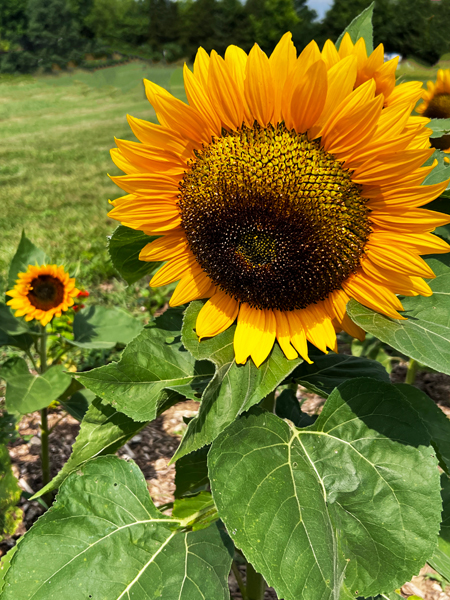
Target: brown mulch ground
152, 449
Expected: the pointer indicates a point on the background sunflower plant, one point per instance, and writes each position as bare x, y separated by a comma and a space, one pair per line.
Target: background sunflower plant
286, 199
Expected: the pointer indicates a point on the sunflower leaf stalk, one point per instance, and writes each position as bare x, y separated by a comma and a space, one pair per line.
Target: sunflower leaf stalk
45, 454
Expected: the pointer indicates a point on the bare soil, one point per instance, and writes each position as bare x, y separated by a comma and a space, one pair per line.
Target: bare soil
152, 449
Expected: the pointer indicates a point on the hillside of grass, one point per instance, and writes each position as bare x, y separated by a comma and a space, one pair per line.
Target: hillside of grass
55, 137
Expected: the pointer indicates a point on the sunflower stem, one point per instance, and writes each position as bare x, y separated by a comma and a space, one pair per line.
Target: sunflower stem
256, 586
33, 362
45, 455
268, 403
239, 580
413, 365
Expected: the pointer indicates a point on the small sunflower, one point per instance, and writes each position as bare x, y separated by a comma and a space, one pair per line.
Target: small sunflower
42, 292
286, 186
436, 104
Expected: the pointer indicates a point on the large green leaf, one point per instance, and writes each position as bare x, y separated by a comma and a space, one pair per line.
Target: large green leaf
104, 538
27, 254
234, 388
10, 515
25, 392
441, 557
361, 26
124, 248
288, 407
425, 336
154, 371
354, 498
441, 171
330, 370
101, 327
103, 430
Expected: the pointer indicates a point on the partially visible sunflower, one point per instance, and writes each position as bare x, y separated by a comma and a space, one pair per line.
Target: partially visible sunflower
284, 188
42, 292
436, 105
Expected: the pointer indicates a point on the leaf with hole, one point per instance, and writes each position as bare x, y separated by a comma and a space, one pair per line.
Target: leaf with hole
104, 538
354, 498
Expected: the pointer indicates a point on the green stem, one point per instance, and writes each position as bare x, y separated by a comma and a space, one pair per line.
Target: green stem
256, 586
268, 403
413, 365
240, 581
33, 362
45, 455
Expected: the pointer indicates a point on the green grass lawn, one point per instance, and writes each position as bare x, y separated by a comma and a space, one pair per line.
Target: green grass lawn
55, 136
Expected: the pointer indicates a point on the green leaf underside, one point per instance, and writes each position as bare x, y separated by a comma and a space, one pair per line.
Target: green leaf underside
439, 127
25, 392
361, 26
27, 254
233, 389
154, 371
425, 336
78, 403
191, 473
104, 538
124, 248
103, 430
101, 327
330, 370
441, 557
354, 499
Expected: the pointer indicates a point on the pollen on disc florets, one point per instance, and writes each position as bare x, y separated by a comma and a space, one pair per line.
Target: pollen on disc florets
272, 218
46, 292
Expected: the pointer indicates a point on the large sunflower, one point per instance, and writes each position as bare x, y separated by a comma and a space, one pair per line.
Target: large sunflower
284, 188
42, 292
436, 104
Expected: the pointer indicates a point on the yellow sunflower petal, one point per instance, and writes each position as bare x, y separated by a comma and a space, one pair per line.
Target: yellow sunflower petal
249, 330
266, 341
216, 315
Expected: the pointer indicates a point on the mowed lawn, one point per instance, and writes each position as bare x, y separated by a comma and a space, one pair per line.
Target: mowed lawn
55, 137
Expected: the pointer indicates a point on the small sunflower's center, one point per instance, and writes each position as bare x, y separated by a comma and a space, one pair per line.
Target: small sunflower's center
272, 218
439, 108
46, 292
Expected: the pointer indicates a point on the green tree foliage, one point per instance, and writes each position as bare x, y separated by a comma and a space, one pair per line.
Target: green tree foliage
269, 20
119, 22
13, 22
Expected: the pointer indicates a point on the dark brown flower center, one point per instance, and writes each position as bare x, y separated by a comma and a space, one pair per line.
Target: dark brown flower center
46, 292
272, 218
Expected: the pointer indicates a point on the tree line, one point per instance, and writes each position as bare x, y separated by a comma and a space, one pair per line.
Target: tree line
41, 33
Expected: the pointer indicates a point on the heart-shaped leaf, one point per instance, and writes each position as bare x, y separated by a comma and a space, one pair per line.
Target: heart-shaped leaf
154, 371
354, 499
441, 557
104, 538
25, 392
